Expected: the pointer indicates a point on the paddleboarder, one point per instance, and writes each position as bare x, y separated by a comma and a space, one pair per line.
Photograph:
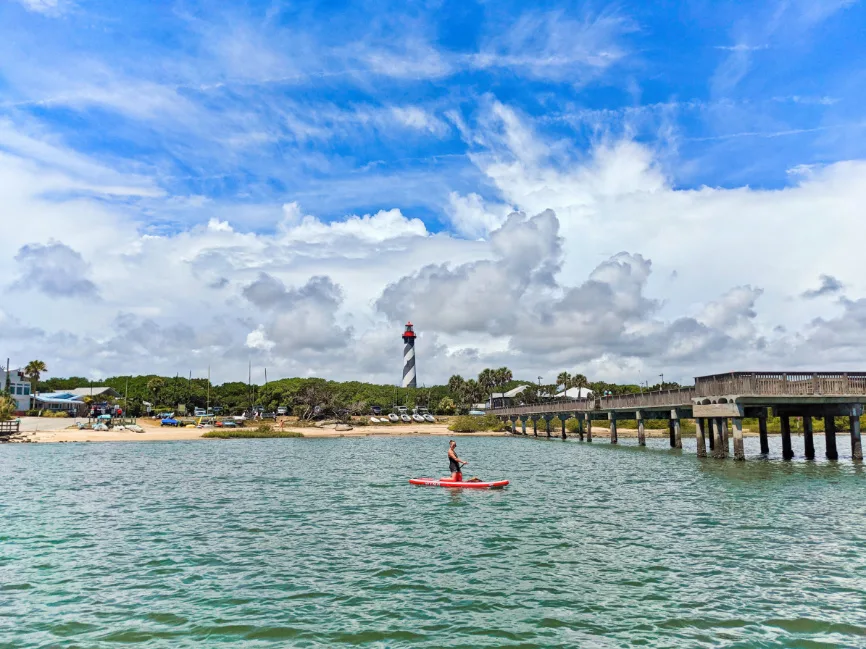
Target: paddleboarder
454, 462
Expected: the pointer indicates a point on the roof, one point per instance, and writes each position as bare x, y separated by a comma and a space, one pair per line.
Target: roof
575, 393
57, 397
510, 394
96, 391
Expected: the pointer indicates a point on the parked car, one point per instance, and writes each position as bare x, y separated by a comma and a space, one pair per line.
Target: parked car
199, 412
169, 421
282, 411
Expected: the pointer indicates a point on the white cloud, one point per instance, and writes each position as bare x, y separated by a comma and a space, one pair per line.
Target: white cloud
47, 7
535, 291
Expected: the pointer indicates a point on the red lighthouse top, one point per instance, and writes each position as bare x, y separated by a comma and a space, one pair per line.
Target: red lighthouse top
408, 333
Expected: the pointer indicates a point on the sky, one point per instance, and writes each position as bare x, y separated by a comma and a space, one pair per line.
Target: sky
621, 190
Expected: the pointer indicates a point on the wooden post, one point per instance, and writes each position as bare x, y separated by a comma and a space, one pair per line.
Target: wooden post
739, 451
856, 445
677, 431
711, 435
830, 437
588, 427
720, 451
762, 432
808, 438
641, 430
613, 436
787, 452
563, 418
726, 436
535, 427
700, 426
672, 438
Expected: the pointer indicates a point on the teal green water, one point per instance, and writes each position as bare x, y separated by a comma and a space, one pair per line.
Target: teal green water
322, 543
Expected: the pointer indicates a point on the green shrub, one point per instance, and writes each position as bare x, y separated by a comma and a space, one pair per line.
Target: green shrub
262, 432
475, 424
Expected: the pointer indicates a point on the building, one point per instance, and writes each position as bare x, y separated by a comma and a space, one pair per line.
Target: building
75, 401
19, 388
514, 397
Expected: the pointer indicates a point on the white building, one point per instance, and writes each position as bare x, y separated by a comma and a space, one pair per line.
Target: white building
19, 387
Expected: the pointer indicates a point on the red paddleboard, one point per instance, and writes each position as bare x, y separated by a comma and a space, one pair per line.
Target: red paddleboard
433, 482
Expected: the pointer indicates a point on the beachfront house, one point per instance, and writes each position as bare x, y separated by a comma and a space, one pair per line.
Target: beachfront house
19, 388
514, 397
73, 402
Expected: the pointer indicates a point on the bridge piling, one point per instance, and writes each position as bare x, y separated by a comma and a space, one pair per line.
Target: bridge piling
535, 427
614, 439
856, 444
762, 432
641, 430
719, 449
711, 436
830, 437
547, 424
787, 451
579, 425
523, 425
808, 438
588, 427
700, 428
726, 436
739, 451
677, 439
562, 421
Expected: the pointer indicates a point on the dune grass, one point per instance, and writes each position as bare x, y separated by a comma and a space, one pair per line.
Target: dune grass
259, 433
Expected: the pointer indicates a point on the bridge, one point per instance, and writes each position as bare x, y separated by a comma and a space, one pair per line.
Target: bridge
716, 400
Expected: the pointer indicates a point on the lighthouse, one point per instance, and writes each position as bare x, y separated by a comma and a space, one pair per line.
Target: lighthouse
409, 379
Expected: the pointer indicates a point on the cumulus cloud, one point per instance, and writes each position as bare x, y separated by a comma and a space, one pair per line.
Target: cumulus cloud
54, 269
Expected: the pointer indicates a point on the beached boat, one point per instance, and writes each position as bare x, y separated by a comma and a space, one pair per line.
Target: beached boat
393, 418
374, 420
430, 418
406, 419
418, 418
425, 415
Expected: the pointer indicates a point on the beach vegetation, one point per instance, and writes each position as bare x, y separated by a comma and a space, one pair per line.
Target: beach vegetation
472, 424
260, 432
7, 407
446, 406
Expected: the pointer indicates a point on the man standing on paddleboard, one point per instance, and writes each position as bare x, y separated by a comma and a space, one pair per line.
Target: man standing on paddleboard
454, 462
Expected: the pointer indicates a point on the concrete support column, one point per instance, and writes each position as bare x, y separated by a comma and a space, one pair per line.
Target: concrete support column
514, 425
700, 430
830, 438
579, 425
535, 427
787, 451
677, 441
762, 432
739, 450
547, 419
711, 435
563, 418
523, 425
808, 438
588, 428
719, 448
856, 444
641, 430
726, 436
613, 435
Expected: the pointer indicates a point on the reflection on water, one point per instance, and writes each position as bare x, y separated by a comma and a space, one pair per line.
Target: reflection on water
322, 543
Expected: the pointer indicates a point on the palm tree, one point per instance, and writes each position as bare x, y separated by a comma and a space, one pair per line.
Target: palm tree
33, 371
503, 376
487, 379
578, 381
155, 385
564, 379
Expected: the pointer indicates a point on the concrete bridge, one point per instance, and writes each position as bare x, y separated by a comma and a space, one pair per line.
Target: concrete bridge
716, 400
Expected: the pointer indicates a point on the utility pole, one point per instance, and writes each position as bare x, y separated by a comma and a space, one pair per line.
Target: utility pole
662, 376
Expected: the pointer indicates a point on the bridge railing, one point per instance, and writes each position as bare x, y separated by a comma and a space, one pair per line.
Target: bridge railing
638, 401
781, 384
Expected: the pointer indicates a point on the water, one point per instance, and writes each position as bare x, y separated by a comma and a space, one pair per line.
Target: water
321, 543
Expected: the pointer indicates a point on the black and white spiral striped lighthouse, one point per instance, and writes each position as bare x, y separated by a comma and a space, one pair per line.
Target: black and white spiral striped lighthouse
409, 378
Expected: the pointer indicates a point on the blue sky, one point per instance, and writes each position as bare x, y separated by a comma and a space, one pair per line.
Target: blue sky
318, 133
274, 101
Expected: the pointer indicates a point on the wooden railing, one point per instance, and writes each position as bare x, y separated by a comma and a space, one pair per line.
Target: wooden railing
736, 384
8, 428
782, 384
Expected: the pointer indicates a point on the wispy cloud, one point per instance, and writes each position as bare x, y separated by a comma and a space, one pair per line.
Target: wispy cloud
47, 7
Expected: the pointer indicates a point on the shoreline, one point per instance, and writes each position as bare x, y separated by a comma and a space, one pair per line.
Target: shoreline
165, 434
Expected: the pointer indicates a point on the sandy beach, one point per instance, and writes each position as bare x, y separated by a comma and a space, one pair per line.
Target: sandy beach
46, 430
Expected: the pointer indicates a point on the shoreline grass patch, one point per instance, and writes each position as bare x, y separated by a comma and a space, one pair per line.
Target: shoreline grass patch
258, 433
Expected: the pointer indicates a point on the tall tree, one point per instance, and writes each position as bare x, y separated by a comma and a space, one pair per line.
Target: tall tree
578, 381
33, 371
155, 385
487, 380
564, 379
